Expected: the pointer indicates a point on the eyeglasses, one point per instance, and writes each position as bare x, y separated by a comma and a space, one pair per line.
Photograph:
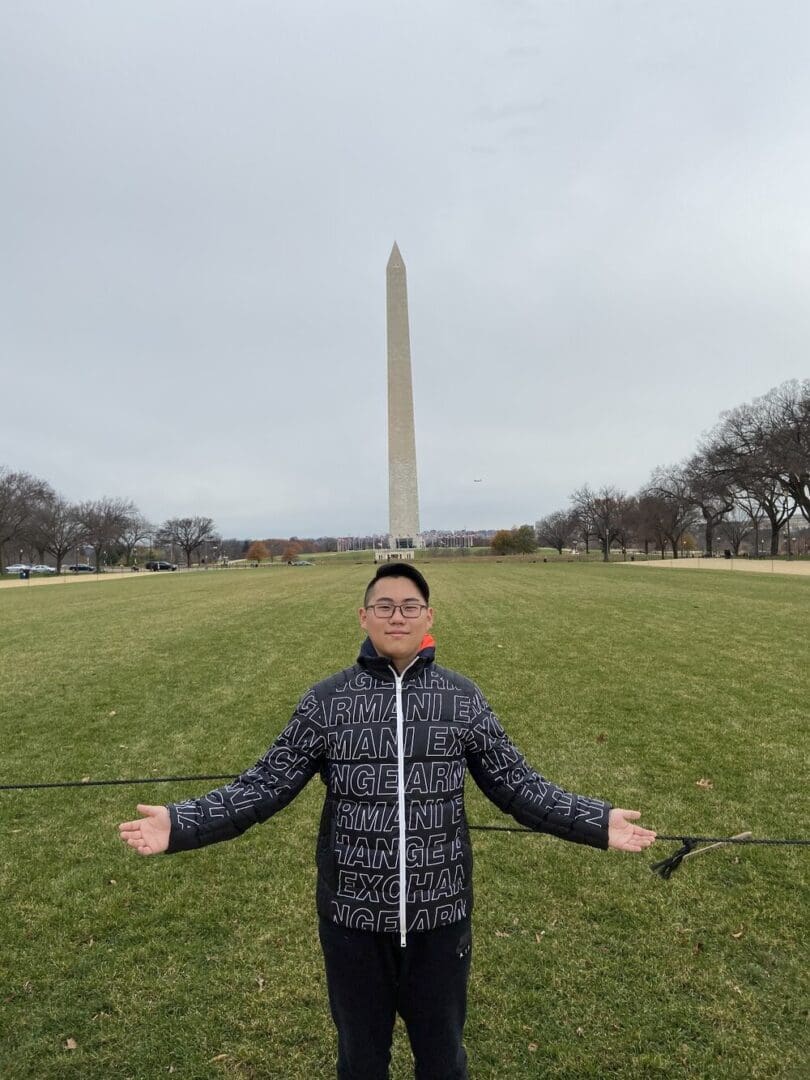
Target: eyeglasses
411, 609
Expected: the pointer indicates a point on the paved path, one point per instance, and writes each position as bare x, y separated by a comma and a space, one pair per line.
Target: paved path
757, 566
71, 579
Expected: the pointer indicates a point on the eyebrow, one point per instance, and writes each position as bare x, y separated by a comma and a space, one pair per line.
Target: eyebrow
391, 600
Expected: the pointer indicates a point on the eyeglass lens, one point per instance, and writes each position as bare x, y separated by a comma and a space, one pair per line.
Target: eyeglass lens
410, 609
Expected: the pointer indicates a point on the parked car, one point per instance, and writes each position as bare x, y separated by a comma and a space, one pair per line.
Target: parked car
301, 562
82, 568
160, 564
17, 568
41, 568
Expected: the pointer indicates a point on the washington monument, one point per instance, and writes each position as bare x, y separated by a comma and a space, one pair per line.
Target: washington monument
403, 498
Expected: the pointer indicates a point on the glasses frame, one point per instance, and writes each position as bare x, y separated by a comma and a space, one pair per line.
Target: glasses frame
395, 607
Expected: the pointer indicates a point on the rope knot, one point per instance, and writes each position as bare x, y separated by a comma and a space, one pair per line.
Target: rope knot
666, 867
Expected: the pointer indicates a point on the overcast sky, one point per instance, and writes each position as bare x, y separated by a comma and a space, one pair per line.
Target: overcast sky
603, 207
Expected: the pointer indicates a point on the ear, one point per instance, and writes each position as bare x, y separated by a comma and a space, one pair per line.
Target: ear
429, 617
361, 612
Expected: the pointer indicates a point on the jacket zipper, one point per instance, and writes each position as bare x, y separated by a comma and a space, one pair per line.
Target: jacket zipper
403, 877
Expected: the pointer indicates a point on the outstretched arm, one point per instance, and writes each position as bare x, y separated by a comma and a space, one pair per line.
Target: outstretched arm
149, 835
250, 798
623, 835
505, 777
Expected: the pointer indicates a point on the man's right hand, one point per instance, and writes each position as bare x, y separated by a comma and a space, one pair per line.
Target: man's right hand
149, 835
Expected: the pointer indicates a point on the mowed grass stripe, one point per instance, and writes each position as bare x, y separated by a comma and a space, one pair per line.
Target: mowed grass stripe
629, 686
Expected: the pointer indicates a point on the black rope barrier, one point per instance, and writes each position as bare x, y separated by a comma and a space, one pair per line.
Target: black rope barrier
107, 783
665, 868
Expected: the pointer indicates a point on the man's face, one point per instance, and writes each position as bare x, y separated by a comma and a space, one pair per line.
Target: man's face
393, 635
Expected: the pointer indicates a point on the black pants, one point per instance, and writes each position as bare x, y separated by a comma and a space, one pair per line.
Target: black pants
371, 978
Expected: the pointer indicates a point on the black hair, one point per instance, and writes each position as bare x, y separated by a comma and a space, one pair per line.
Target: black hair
399, 569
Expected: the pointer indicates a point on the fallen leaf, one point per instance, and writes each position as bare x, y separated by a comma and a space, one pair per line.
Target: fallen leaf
532, 1047
539, 937
502, 933
220, 1057
698, 947
71, 1044
704, 783
580, 1031
738, 933
112, 713
85, 779
112, 881
601, 737
260, 983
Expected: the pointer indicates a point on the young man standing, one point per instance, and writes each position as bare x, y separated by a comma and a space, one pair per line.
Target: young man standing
392, 738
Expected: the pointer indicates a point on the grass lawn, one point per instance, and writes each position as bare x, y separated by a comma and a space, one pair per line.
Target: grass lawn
630, 685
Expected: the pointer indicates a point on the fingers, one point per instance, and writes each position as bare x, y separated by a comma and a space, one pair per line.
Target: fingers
131, 834
638, 839
638, 843
623, 835
148, 835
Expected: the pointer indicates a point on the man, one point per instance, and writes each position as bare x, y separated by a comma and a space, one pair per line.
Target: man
392, 738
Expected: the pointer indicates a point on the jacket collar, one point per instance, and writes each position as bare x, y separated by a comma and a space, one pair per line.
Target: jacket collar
371, 660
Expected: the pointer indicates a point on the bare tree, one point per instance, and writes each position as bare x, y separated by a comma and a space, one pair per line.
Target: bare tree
582, 520
626, 523
763, 448
785, 436
58, 528
606, 511
751, 506
711, 492
735, 528
650, 528
673, 504
556, 530
774, 504
136, 528
20, 497
189, 533
104, 521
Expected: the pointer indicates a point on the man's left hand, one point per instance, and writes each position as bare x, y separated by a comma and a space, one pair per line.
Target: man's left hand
623, 835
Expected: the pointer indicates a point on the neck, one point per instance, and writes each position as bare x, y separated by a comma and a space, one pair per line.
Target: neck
400, 665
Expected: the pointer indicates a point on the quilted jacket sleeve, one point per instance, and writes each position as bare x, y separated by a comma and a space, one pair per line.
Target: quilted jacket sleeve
505, 777
258, 793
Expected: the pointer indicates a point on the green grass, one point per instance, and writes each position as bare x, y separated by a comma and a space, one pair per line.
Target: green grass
616, 682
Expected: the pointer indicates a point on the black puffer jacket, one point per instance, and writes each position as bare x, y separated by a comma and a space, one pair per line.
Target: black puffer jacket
393, 752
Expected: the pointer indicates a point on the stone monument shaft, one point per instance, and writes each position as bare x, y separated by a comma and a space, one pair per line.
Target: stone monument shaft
403, 498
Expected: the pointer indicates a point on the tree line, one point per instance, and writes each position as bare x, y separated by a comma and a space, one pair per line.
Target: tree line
35, 519
751, 471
